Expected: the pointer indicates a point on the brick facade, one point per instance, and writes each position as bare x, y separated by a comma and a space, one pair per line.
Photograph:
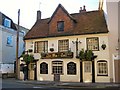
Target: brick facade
60, 15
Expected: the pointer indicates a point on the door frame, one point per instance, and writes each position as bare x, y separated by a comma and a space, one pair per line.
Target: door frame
82, 71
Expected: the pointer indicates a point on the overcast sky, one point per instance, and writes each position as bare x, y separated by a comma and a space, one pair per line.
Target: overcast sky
28, 8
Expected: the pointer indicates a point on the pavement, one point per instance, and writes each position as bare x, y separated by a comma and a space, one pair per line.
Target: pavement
70, 84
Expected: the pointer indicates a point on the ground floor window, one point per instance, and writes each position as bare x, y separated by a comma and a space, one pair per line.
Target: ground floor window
102, 68
57, 67
71, 68
43, 68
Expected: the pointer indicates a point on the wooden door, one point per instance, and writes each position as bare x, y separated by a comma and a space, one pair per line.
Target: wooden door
87, 71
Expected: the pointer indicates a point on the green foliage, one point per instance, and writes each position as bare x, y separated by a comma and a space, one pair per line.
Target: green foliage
86, 55
81, 54
89, 54
28, 58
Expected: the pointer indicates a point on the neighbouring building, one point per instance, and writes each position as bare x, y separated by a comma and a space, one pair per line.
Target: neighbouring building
8, 33
111, 10
56, 42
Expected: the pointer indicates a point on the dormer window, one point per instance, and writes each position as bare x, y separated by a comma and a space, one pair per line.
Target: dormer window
60, 26
7, 22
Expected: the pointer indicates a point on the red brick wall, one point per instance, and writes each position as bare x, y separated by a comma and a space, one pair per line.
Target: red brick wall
60, 15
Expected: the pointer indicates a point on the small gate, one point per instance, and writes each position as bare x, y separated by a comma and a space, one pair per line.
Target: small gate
57, 77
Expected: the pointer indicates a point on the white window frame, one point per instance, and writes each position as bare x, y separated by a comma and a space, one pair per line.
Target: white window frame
63, 45
57, 67
104, 68
41, 47
92, 44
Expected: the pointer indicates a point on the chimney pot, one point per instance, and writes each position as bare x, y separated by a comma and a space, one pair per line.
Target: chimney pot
84, 8
80, 9
38, 15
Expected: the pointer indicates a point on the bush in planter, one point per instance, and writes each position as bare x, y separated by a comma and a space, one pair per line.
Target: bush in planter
81, 54
86, 55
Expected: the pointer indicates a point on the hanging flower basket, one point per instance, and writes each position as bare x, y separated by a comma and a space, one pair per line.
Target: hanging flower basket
30, 50
103, 46
51, 49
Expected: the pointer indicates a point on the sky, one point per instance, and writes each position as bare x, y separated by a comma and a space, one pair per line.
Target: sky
29, 8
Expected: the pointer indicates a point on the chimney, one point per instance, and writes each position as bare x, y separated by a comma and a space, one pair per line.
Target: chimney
38, 15
100, 5
82, 10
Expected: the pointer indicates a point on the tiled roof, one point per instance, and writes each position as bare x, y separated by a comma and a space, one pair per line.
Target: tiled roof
92, 22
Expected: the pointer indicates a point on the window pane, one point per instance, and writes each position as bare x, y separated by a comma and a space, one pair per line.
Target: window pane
71, 68
60, 26
57, 67
43, 68
7, 22
87, 67
41, 46
9, 40
102, 68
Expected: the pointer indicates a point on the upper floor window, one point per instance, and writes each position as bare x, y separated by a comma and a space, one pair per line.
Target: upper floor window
41, 46
102, 68
60, 26
7, 22
9, 40
63, 45
93, 43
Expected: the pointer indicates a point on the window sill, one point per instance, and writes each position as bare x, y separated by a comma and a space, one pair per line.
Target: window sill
43, 73
72, 74
102, 75
9, 45
57, 73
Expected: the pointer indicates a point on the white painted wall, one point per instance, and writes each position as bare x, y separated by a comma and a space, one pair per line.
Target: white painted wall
111, 12
102, 55
9, 52
0, 45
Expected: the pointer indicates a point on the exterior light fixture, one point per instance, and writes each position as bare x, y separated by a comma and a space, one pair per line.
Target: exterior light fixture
76, 43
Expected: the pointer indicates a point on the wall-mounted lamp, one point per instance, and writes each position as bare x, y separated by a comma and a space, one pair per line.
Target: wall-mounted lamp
76, 42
